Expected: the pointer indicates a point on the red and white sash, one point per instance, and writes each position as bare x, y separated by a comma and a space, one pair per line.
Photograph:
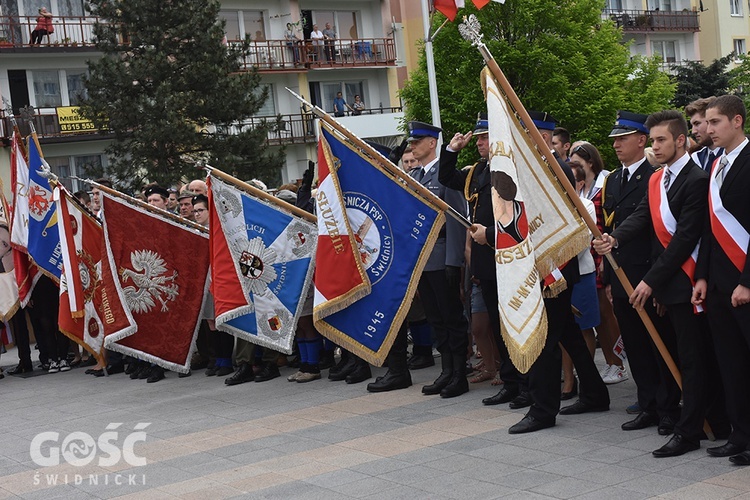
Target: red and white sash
665, 224
732, 237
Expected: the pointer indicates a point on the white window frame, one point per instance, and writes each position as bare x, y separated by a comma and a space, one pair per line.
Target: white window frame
740, 47
735, 8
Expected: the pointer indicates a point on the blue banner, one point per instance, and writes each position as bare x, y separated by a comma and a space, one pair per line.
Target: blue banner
44, 237
395, 230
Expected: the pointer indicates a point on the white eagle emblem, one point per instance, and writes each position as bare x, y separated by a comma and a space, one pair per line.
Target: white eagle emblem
151, 280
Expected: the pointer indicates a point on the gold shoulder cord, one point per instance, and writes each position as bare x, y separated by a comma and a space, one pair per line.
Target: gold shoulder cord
608, 218
471, 198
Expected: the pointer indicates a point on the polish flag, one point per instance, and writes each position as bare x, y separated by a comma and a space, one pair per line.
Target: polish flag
449, 8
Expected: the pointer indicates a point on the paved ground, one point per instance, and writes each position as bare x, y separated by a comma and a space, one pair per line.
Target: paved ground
328, 440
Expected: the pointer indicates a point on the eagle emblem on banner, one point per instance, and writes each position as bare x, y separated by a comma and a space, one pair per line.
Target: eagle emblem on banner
151, 282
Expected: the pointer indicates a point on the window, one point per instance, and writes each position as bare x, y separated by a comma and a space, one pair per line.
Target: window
241, 23
269, 106
615, 5
46, 88
232, 28
666, 49
739, 47
735, 7
344, 23
348, 89
254, 25
70, 8
80, 166
76, 88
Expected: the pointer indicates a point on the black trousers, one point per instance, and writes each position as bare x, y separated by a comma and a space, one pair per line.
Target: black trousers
396, 360
730, 327
658, 392
445, 312
21, 337
508, 372
43, 314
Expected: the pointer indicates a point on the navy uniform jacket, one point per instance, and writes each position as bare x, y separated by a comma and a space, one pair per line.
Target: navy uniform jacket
634, 256
449, 247
688, 201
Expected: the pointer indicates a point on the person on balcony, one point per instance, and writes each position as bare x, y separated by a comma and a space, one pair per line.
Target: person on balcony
43, 26
317, 40
292, 41
330, 43
357, 106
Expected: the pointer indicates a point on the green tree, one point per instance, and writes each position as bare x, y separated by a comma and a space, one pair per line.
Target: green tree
559, 56
739, 82
694, 80
171, 92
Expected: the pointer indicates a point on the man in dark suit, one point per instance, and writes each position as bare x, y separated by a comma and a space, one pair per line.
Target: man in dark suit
706, 153
439, 285
723, 269
675, 228
658, 393
475, 184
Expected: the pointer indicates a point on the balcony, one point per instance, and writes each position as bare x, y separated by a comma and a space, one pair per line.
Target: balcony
69, 31
47, 125
281, 55
647, 21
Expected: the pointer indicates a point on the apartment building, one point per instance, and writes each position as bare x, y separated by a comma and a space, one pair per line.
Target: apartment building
367, 58
725, 28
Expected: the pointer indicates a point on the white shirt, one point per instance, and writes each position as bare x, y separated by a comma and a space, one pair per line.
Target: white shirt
675, 168
633, 167
732, 155
317, 37
427, 168
585, 259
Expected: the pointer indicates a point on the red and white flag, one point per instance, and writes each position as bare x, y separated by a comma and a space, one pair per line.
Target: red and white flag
161, 270
8, 286
449, 8
90, 307
337, 258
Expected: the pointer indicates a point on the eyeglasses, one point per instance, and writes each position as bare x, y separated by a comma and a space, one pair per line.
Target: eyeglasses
582, 152
199, 210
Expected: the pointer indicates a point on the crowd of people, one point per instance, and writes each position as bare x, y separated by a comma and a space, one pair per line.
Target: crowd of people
652, 211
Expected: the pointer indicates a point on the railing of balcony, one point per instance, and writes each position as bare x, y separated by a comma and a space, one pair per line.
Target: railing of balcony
285, 55
654, 20
69, 31
47, 124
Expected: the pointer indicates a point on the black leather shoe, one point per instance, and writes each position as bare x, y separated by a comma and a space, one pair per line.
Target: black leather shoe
140, 367
115, 369
504, 396
360, 373
458, 385
184, 375
676, 446
725, 450
439, 384
666, 426
243, 374
523, 400
99, 373
155, 374
741, 458
421, 361
391, 382
580, 407
133, 366
145, 372
344, 370
529, 424
269, 371
643, 420
573, 393
19, 369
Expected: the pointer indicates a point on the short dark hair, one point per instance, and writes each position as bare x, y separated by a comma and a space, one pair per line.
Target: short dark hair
82, 196
674, 120
104, 182
589, 152
698, 107
200, 198
562, 133
729, 106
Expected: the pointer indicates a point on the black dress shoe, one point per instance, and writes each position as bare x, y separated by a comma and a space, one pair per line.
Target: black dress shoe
211, 371
19, 369
90, 361
643, 420
523, 400
132, 367
360, 373
501, 397
391, 381
269, 371
145, 372
580, 407
676, 446
421, 361
155, 374
458, 385
243, 374
100, 373
90, 371
116, 368
439, 384
666, 426
573, 393
529, 424
338, 373
140, 367
185, 375
726, 450
741, 458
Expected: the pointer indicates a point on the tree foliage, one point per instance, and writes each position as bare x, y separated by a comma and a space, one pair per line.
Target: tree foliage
559, 56
695, 81
171, 92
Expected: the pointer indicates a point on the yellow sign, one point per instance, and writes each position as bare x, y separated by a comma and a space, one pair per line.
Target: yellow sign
72, 122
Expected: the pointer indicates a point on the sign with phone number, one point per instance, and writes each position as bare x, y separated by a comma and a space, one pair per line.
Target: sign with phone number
71, 121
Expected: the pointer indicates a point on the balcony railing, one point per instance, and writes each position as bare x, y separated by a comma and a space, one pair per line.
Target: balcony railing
69, 31
47, 125
644, 21
272, 55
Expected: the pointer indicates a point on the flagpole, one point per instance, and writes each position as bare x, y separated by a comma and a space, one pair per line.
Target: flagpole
431, 80
259, 193
390, 167
475, 38
146, 206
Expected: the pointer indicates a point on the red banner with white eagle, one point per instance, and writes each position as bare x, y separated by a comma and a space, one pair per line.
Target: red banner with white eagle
161, 270
90, 307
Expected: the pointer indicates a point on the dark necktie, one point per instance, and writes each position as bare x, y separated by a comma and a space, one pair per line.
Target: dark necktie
709, 161
420, 174
667, 178
625, 178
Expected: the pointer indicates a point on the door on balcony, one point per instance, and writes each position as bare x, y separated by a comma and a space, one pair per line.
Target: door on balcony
328, 91
667, 49
240, 23
19, 89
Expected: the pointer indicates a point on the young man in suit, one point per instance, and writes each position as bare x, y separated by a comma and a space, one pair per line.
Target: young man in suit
723, 269
673, 213
658, 393
706, 153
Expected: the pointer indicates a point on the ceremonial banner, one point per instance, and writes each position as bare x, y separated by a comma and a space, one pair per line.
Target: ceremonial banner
449, 8
25, 271
160, 268
43, 238
8, 286
261, 266
90, 307
394, 231
537, 228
